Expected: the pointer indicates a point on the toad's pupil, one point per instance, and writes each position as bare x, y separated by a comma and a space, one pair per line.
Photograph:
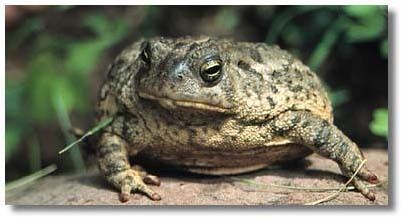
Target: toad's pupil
212, 71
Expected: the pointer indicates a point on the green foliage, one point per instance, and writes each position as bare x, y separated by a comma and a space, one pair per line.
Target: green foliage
366, 22
338, 97
16, 124
57, 66
285, 18
335, 24
13, 136
379, 123
83, 55
227, 18
324, 47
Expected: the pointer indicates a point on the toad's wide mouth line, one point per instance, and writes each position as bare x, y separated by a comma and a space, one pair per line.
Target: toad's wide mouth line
172, 103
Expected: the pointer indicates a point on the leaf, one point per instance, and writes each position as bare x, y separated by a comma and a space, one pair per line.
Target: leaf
65, 124
40, 80
367, 23
379, 123
292, 35
361, 10
93, 130
109, 31
329, 39
82, 56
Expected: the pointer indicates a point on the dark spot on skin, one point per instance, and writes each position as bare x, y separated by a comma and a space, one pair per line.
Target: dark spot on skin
273, 89
322, 135
115, 167
307, 96
104, 150
286, 67
181, 44
255, 55
296, 88
342, 150
245, 66
192, 134
126, 128
241, 130
305, 124
294, 119
276, 75
271, 102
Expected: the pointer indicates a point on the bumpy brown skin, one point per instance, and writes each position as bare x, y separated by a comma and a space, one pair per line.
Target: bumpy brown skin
265, 107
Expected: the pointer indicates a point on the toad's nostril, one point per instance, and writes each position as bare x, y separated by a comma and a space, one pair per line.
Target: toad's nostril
178, 72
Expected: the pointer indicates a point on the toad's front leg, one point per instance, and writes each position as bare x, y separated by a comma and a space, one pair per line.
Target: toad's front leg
327, 140
114, 164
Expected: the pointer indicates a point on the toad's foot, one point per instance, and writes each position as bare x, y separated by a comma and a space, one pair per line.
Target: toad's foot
147, 178
134, 180
363, 175
114, 164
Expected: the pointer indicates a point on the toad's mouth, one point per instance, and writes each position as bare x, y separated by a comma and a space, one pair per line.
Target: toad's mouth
174, 103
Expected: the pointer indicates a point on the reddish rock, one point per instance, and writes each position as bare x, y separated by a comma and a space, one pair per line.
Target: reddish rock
189, 189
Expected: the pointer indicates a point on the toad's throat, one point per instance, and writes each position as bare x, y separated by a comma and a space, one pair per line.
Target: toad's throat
173, 103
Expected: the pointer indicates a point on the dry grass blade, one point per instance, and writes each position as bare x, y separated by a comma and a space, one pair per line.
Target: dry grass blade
308, 189
343, 188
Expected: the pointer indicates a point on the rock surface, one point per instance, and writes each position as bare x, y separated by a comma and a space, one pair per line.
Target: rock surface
190, 189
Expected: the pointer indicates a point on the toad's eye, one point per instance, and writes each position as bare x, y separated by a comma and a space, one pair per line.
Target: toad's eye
145, 54
211, 71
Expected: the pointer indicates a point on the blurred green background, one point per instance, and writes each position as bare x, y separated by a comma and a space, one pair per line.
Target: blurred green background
57, 56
